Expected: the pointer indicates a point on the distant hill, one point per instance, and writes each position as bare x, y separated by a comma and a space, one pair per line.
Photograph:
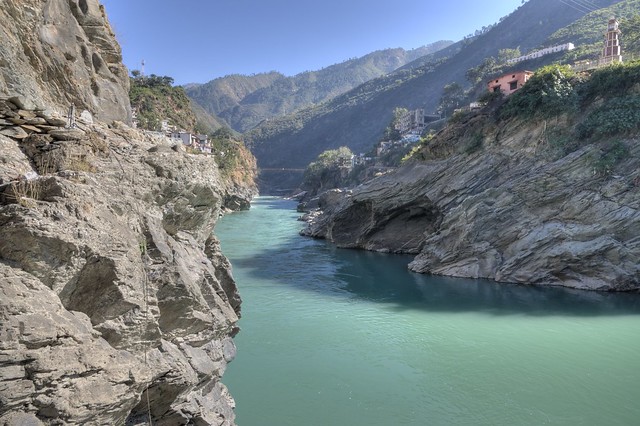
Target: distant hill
154, 98
245, 101
357, 118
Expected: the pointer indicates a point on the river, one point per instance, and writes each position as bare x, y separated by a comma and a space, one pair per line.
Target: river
335, 337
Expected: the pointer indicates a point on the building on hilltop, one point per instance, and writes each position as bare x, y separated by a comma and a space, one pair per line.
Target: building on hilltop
414, 122
612, 52
509, 83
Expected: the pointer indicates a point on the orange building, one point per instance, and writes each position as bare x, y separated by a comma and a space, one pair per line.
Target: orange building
509, 83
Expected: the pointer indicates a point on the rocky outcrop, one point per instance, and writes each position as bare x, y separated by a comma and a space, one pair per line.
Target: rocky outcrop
116, 304
506, 212
58, 53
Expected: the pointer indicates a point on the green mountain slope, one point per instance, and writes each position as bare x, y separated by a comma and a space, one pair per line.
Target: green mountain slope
245, 101
357, 118
154, 99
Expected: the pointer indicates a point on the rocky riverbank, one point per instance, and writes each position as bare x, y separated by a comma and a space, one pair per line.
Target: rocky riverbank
507, 212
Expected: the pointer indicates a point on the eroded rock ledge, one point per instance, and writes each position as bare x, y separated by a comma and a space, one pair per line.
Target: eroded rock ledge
116, 303
505, 213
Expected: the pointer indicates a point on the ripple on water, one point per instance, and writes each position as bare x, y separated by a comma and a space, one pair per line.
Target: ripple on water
341, 337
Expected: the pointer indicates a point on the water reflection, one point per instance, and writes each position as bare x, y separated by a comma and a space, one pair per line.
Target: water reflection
320, 267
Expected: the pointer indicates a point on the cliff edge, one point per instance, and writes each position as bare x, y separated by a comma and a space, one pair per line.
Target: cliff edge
116, 303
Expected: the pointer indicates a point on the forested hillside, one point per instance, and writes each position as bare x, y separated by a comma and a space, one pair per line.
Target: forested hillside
245, 101
357, 118
155, 98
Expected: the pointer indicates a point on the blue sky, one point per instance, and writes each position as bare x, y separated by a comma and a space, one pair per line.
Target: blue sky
195, 41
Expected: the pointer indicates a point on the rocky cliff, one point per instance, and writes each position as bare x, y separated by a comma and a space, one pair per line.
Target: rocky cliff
55, 53
493, 202
116, 304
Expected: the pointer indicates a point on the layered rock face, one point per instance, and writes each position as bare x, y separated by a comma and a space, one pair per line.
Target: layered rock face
116, 304
58, 53
506, 212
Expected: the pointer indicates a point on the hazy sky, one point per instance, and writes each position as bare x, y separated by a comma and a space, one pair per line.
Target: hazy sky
199, 40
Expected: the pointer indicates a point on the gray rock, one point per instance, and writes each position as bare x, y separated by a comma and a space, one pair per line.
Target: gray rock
86, 117
36, 121
66, 134
27, 115
57, 121
31, 129
50, 51
17, 120
504, 213
15, 132
117, 289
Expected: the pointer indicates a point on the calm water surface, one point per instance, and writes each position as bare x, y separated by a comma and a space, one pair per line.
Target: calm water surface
342, 337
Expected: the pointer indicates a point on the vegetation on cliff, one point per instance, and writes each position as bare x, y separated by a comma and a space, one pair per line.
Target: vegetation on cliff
155, 99
235, 161
601, 107
330, 170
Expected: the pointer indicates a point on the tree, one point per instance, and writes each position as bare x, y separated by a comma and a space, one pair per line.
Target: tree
222, 133
391, 132
631, 34
326, 170
505, 54
549, 92
482, 71
452, 97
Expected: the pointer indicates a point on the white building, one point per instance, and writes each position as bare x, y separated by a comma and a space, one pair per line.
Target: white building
542, 52
187, 138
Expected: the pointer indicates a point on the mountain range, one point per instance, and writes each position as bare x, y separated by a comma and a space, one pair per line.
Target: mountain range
245, 101
358, 117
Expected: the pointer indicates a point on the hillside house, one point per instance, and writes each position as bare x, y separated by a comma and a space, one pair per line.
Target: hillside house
203, 143
509, 83
360, 159
187, 138
200, 142
411, 122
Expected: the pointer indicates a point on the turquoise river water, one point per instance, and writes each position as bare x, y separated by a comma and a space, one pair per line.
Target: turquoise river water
344, 337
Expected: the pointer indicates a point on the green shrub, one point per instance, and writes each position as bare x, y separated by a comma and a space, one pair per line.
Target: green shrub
561, 144
549, 92
610, 81
474, 144
617, 116
489, 98
610, 155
